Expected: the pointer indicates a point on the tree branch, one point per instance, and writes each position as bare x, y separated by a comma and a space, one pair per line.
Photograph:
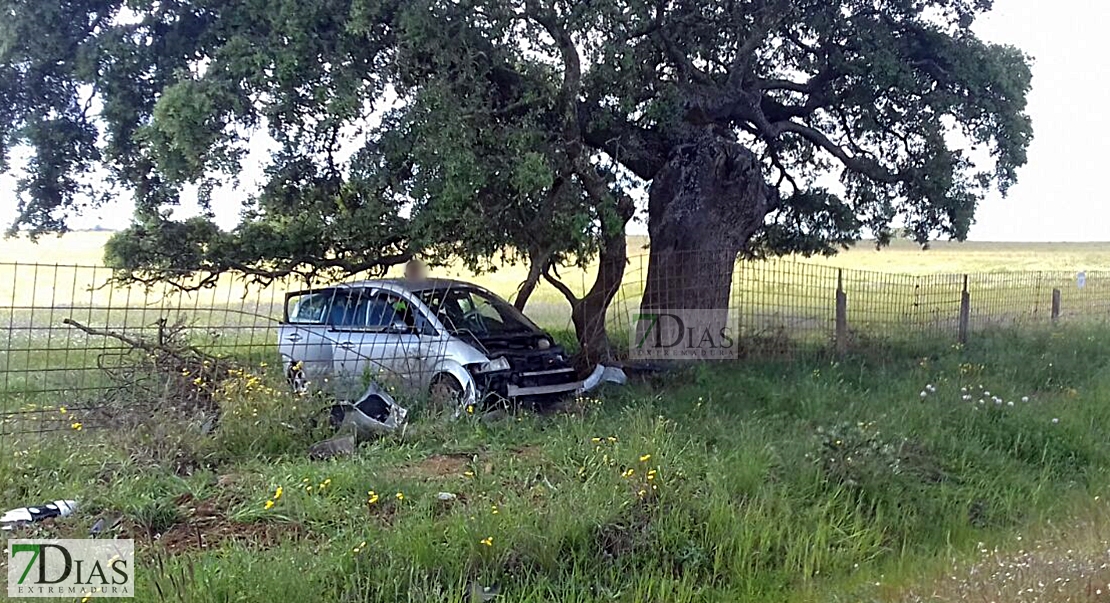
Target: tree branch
866, 166
642, 150
558, 284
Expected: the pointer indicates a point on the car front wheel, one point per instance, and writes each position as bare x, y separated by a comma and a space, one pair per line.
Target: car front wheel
445, 393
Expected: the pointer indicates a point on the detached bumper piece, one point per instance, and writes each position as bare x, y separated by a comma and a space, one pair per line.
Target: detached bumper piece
373, 414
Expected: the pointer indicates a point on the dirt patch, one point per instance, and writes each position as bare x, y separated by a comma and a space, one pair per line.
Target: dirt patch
206, 535
437, 466
205, 525
1055, 561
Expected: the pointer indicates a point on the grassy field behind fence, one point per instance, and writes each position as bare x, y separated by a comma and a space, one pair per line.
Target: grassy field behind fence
784, 305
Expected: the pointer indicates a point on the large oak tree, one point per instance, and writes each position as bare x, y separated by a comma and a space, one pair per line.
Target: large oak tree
476, 128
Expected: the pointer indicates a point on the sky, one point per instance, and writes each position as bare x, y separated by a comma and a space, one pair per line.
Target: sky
1058, 196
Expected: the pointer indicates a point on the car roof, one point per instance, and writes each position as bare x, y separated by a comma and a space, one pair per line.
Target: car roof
409, 285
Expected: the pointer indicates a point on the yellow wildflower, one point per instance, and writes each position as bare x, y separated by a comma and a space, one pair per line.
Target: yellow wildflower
645, 458
278, 493
488, 541
400, 496
269, 505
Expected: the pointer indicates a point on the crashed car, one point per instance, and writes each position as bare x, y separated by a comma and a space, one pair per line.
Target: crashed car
455, 341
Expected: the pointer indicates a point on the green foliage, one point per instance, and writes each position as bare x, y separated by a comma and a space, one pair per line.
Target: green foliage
460, 128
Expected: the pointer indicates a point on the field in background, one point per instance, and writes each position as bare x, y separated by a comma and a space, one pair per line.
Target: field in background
899, 293
547, 306
86, 249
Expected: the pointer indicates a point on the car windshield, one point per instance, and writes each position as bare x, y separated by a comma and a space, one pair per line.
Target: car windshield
470, 309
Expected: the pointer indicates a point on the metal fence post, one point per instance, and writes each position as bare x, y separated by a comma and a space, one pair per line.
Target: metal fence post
1055, 306
841, 314
965, 313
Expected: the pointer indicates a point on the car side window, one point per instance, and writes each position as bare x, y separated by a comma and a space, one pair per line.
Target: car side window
310, 308
348, 310
377, 311
381, 312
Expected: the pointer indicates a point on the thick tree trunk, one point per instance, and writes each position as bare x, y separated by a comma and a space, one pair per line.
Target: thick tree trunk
704, 206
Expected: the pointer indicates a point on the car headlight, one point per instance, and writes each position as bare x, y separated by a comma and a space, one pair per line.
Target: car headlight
493, 366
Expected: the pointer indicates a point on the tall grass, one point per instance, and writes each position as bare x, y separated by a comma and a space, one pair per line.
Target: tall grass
758, 481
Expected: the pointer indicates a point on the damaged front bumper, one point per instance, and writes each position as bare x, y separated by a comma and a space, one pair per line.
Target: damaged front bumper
601, 374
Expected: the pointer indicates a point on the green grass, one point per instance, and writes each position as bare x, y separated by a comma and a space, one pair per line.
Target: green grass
809, 479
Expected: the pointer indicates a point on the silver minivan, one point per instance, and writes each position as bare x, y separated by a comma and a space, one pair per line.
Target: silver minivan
454, 341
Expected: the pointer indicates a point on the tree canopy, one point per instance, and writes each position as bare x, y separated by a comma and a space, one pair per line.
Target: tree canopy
473, 128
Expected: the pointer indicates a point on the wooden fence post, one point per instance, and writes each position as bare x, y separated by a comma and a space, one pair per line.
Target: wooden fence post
1055, 306
965, 313
841, 314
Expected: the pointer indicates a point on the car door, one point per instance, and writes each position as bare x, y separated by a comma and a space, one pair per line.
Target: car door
375, 339
303, 339
410, 340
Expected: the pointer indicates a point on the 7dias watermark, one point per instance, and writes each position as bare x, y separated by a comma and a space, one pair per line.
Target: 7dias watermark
685, 335
71, 568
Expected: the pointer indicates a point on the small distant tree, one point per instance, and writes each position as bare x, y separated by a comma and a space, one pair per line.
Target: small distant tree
512, 129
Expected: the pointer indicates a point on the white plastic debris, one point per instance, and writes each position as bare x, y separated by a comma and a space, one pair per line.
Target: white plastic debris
603, 374
446, 496
373, 414
26, 515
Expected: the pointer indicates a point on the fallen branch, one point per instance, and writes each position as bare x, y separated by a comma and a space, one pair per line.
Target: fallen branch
141, 344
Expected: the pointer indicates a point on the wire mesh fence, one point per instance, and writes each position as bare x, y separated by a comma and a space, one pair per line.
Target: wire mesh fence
74, 338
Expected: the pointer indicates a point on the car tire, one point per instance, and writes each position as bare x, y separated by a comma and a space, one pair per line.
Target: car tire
445, 393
